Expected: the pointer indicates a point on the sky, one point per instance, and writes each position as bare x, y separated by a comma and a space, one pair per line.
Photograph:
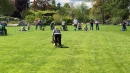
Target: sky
75, 2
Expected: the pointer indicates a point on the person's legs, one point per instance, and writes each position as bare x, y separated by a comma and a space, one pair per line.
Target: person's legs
28, 28
40, 26
92, 26
4, 31
56, 41
59, 39
75, 25
96, 26
63, 27
36, 27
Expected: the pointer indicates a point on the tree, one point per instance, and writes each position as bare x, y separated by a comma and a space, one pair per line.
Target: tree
81, 12
66, 5
41, 5
20, 5
110, 9
117, 8
6, 7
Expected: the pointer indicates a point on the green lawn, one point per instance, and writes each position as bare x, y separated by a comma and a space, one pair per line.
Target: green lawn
103, 51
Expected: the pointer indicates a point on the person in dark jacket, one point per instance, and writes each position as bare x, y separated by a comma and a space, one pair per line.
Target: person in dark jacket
56, 36
4, 30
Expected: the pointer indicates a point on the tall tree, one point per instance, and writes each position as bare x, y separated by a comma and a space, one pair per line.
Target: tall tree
6, 7
117, 8
111, 8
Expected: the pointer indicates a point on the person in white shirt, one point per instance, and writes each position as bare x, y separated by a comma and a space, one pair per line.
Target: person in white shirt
75, 22
97, 24
63, 25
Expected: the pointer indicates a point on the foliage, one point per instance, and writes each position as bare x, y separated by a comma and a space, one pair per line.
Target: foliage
68, 20
57, 18
49, 20
6, 7
41, 5
66, 5
30, 18
26, 12
111, 8
120, 8
116, 20
20, 5
3, 18
36, 15
81, 12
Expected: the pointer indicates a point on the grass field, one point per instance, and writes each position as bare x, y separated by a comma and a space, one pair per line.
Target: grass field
103, 51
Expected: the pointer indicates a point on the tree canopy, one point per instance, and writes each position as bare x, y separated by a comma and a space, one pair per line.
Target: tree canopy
6, 7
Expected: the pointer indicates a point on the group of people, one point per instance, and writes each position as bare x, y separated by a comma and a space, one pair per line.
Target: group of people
63, 23
3, 30
23, 28
79, 25
40, 23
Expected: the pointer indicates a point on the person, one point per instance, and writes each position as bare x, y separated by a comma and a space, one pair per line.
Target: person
75, 22
28, 26
56, 36
36, 24
75, 28
40, 24
97, 24
63, 25
7, 19
85, 28
3, 29
91, 24
52, 25
4, 23
79, 26
124, 26
23, 29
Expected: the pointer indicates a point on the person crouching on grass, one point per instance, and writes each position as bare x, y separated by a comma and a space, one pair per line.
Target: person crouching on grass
56, 36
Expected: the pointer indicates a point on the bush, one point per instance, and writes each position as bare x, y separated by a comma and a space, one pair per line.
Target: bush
2, 18
116, 20
68, 20
30, 18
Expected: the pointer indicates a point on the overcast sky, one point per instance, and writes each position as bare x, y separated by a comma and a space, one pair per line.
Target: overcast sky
75, 2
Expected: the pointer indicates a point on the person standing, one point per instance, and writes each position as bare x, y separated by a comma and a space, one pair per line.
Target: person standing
36, 24
124, 26
52, 25
28, 26
75, 22
97, 24
56, 35
63, 25
91, 24
40, 24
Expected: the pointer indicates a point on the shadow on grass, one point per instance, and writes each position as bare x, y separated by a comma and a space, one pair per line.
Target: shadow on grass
64, 46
